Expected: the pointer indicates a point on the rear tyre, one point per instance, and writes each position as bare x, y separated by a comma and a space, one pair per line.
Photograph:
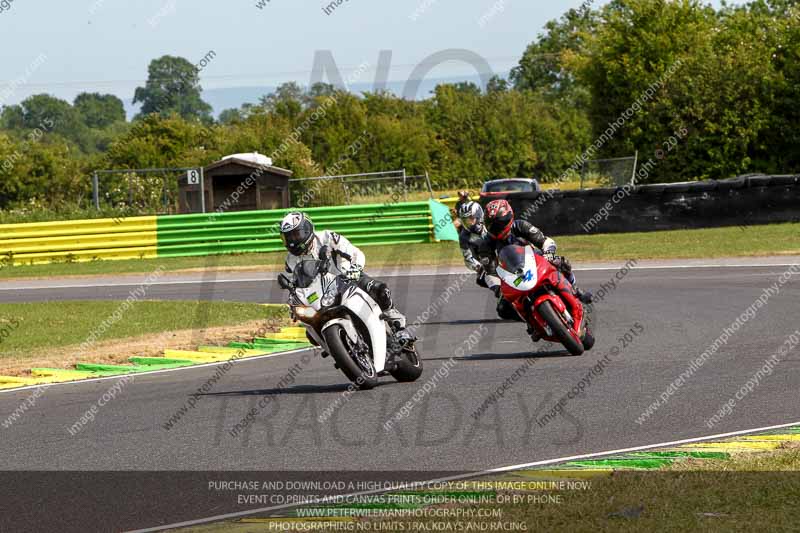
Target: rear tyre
560, 329
358, 368
409, 367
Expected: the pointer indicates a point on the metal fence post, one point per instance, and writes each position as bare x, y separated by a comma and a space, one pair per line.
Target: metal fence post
96, 190
635, 162
202, 191
428, 180
346, 191
583, 172
405, 187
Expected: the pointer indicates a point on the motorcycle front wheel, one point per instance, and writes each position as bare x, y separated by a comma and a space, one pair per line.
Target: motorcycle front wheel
357, 366
409, 368
560, 328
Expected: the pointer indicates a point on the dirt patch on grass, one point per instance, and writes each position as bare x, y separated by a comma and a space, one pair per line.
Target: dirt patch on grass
117, 351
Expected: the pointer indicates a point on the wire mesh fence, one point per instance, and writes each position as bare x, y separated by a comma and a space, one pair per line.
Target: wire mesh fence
613, 172
367, 188
150, 191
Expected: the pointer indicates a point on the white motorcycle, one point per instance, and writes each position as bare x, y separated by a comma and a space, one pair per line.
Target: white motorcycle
346, 323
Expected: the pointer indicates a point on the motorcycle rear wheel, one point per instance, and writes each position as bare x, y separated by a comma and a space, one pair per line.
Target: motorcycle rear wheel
341, 350
560, 328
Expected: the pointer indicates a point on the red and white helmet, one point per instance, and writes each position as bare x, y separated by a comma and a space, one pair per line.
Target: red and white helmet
499, 219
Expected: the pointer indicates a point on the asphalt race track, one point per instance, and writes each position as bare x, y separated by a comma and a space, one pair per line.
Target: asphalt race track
671, 316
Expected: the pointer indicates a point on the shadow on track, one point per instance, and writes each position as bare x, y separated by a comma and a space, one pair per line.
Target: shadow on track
497, 356
296, 389
472, 322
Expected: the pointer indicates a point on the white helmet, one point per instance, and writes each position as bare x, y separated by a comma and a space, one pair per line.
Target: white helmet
297, 233
471, 215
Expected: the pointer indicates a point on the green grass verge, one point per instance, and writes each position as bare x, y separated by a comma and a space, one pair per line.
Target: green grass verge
31, 327
774, 239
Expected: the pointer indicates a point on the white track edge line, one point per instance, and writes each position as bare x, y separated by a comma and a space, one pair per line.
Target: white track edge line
467, 476
153, 372
386, 274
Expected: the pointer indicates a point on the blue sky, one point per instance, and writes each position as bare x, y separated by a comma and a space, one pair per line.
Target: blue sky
106, 45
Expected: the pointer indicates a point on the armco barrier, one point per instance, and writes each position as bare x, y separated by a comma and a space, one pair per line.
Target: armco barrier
736, 202
79, 240
205, 234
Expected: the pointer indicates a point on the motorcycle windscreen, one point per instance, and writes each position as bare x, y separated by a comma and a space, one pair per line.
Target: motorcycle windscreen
512, 259
305, 273
520, 264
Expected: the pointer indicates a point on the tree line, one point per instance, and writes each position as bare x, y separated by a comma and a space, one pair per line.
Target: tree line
729, 77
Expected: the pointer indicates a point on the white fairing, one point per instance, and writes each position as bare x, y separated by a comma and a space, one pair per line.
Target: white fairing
360, 304
529, 277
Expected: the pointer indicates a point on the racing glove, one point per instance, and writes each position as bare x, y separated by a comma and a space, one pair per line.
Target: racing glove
549, 249
353, 273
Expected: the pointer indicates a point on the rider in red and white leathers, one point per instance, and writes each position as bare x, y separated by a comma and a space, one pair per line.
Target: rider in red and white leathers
503, 230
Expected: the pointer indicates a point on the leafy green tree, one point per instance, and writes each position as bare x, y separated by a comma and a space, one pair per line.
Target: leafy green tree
636, 56
173, 86
286, 101
162, 141
497, 85
231, 116
99, 110
544, 65
48, 115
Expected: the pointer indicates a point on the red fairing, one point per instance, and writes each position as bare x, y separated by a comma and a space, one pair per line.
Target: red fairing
561, 301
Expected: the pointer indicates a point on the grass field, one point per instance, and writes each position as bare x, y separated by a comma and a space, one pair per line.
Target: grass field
32, 333
774, 239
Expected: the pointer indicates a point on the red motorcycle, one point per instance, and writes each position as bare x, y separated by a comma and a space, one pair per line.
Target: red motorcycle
543, 298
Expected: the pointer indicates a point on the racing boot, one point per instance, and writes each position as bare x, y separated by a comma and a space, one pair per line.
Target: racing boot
533, 334
584, 296
496, 291
395, 318
401, 338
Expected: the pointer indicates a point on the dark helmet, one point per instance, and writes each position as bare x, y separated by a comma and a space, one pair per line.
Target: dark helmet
297, 233
471, 216
499, 219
